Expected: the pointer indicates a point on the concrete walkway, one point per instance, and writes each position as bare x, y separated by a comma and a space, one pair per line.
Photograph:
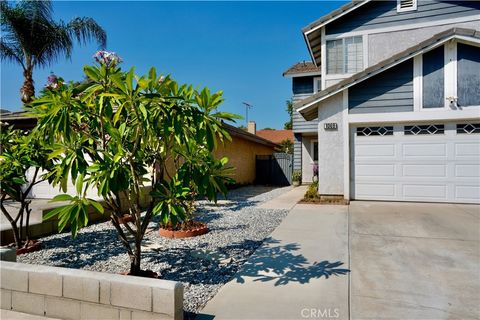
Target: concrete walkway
287, 200
13, 315
299, 272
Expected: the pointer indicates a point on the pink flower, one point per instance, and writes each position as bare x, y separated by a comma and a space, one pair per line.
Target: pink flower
106, 58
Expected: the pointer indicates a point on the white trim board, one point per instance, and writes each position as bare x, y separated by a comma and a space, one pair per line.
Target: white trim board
336, 17
468, 113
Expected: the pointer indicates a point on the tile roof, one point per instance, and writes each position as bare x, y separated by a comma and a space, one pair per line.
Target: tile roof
276, 136
307, 106
302, 67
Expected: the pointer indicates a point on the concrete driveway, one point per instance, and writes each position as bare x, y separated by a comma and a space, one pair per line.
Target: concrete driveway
414, 261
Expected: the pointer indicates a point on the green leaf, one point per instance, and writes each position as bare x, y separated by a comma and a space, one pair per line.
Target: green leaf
91, 72
55, 153
61, 197
97, 206
143, 111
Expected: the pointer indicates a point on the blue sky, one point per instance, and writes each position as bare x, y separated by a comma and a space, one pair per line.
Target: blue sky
241, 48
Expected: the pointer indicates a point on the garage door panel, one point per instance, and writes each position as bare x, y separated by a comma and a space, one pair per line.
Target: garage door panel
467, 170
373, 170
373, 151
430, 150
375, 190
435, 167
423, 170
425, 191
470, 149
469, 193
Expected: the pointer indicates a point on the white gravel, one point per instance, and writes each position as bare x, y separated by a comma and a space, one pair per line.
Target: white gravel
205, 263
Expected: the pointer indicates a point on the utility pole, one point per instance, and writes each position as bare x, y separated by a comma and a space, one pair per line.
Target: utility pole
247, 106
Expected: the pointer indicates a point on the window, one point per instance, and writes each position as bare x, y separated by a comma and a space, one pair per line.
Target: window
434, 78
314, 151
345, 55
468, 75
424, 129
374, 131
468, 128
406, 5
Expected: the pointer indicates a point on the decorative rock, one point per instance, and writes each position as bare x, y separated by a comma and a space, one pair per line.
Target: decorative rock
204, 263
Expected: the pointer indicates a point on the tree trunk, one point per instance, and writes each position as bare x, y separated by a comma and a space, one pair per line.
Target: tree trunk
28, 90
16, 233
136, 257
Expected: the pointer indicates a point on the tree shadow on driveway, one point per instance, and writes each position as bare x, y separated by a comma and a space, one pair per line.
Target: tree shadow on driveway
283, 264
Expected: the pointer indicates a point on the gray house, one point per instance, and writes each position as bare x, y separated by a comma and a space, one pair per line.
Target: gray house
396, 109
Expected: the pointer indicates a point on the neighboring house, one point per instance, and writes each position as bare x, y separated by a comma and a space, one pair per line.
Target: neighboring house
398, 110
241, 151
276, 136
306, 80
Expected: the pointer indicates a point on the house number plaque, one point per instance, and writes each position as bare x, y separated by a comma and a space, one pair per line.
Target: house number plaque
330, 126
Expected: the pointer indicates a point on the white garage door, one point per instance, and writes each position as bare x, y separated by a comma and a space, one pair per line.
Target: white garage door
428, 162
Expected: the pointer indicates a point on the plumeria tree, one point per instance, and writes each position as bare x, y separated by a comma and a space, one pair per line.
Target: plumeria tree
20, 152
126, 135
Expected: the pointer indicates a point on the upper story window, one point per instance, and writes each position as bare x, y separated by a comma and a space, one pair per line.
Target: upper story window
406, 5
345, 55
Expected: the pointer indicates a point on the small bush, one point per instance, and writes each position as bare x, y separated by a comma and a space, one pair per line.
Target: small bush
312, 191
297, 175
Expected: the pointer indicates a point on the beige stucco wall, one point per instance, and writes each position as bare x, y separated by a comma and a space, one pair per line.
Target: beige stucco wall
384, 45
241, 154
330, 147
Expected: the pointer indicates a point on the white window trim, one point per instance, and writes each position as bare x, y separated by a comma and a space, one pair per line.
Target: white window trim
345, 74
418, 83
412, 8
450, 74
315, 84
312, 151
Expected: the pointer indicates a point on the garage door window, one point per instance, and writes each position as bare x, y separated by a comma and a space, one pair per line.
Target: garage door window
468, 128
424, 129
374, 131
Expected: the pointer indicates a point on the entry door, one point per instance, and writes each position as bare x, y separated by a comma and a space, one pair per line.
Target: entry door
416, 162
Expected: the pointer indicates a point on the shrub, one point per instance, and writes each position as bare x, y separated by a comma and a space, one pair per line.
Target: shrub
312, 191
297, 175
119, 132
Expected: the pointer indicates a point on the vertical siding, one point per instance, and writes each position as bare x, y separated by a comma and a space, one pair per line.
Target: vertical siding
297, 152
383, 14
434, 78
389, 91
468, 70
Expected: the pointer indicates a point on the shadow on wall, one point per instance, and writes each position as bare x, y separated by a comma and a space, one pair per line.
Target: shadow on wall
281, 264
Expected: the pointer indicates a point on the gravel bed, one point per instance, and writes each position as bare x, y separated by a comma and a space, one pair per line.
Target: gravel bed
203, 264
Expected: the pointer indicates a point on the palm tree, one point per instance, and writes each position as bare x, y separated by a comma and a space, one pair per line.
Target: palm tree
31, 38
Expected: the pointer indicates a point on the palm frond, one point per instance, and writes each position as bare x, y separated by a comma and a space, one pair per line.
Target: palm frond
37, 9
54, 42
9, 52
85, 29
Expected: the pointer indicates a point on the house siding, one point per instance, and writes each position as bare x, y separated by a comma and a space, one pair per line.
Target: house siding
434, 78
389, 91
383, 14
302, 125
297, 152
468, 69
